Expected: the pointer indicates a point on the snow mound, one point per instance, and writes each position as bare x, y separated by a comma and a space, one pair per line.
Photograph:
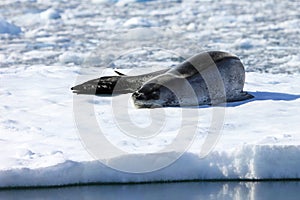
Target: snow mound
248, 162
71, 57
137, 22
248, 44
50, 14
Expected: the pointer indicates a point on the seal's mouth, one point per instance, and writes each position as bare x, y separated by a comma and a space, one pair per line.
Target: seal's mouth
155, 100
142, 100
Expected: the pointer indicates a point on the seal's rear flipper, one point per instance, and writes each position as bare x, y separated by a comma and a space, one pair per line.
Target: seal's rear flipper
103, 85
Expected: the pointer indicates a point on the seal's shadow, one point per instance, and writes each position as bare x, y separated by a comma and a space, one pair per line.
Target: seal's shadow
263, 96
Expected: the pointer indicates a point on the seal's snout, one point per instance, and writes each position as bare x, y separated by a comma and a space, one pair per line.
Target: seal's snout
142, 96
76, 89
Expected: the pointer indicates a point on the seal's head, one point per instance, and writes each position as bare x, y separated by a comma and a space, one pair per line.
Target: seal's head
152, 95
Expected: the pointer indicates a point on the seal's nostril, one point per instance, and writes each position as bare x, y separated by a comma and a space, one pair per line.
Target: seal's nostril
135, 94
139, 96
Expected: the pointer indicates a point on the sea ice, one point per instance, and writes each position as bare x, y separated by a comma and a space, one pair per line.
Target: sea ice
47, 47
9, 28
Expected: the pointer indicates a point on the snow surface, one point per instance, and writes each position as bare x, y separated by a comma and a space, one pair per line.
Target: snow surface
62, 42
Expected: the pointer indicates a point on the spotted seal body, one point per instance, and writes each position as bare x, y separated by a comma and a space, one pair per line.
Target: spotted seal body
208, 78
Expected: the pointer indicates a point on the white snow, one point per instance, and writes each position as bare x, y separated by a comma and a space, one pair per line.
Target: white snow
50, 14
71, 57
63, 43
137, 22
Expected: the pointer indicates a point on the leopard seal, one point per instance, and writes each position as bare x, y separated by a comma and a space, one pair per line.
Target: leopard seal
208, 78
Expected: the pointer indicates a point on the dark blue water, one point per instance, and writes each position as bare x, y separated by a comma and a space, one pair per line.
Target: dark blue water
189, 191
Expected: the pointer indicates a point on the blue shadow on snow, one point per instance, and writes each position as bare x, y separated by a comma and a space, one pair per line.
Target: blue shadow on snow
263, 96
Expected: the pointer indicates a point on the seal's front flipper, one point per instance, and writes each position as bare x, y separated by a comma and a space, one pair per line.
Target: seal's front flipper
102, 85
119, 73
241, 97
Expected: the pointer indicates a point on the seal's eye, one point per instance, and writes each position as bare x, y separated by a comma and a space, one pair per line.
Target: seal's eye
154, 95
